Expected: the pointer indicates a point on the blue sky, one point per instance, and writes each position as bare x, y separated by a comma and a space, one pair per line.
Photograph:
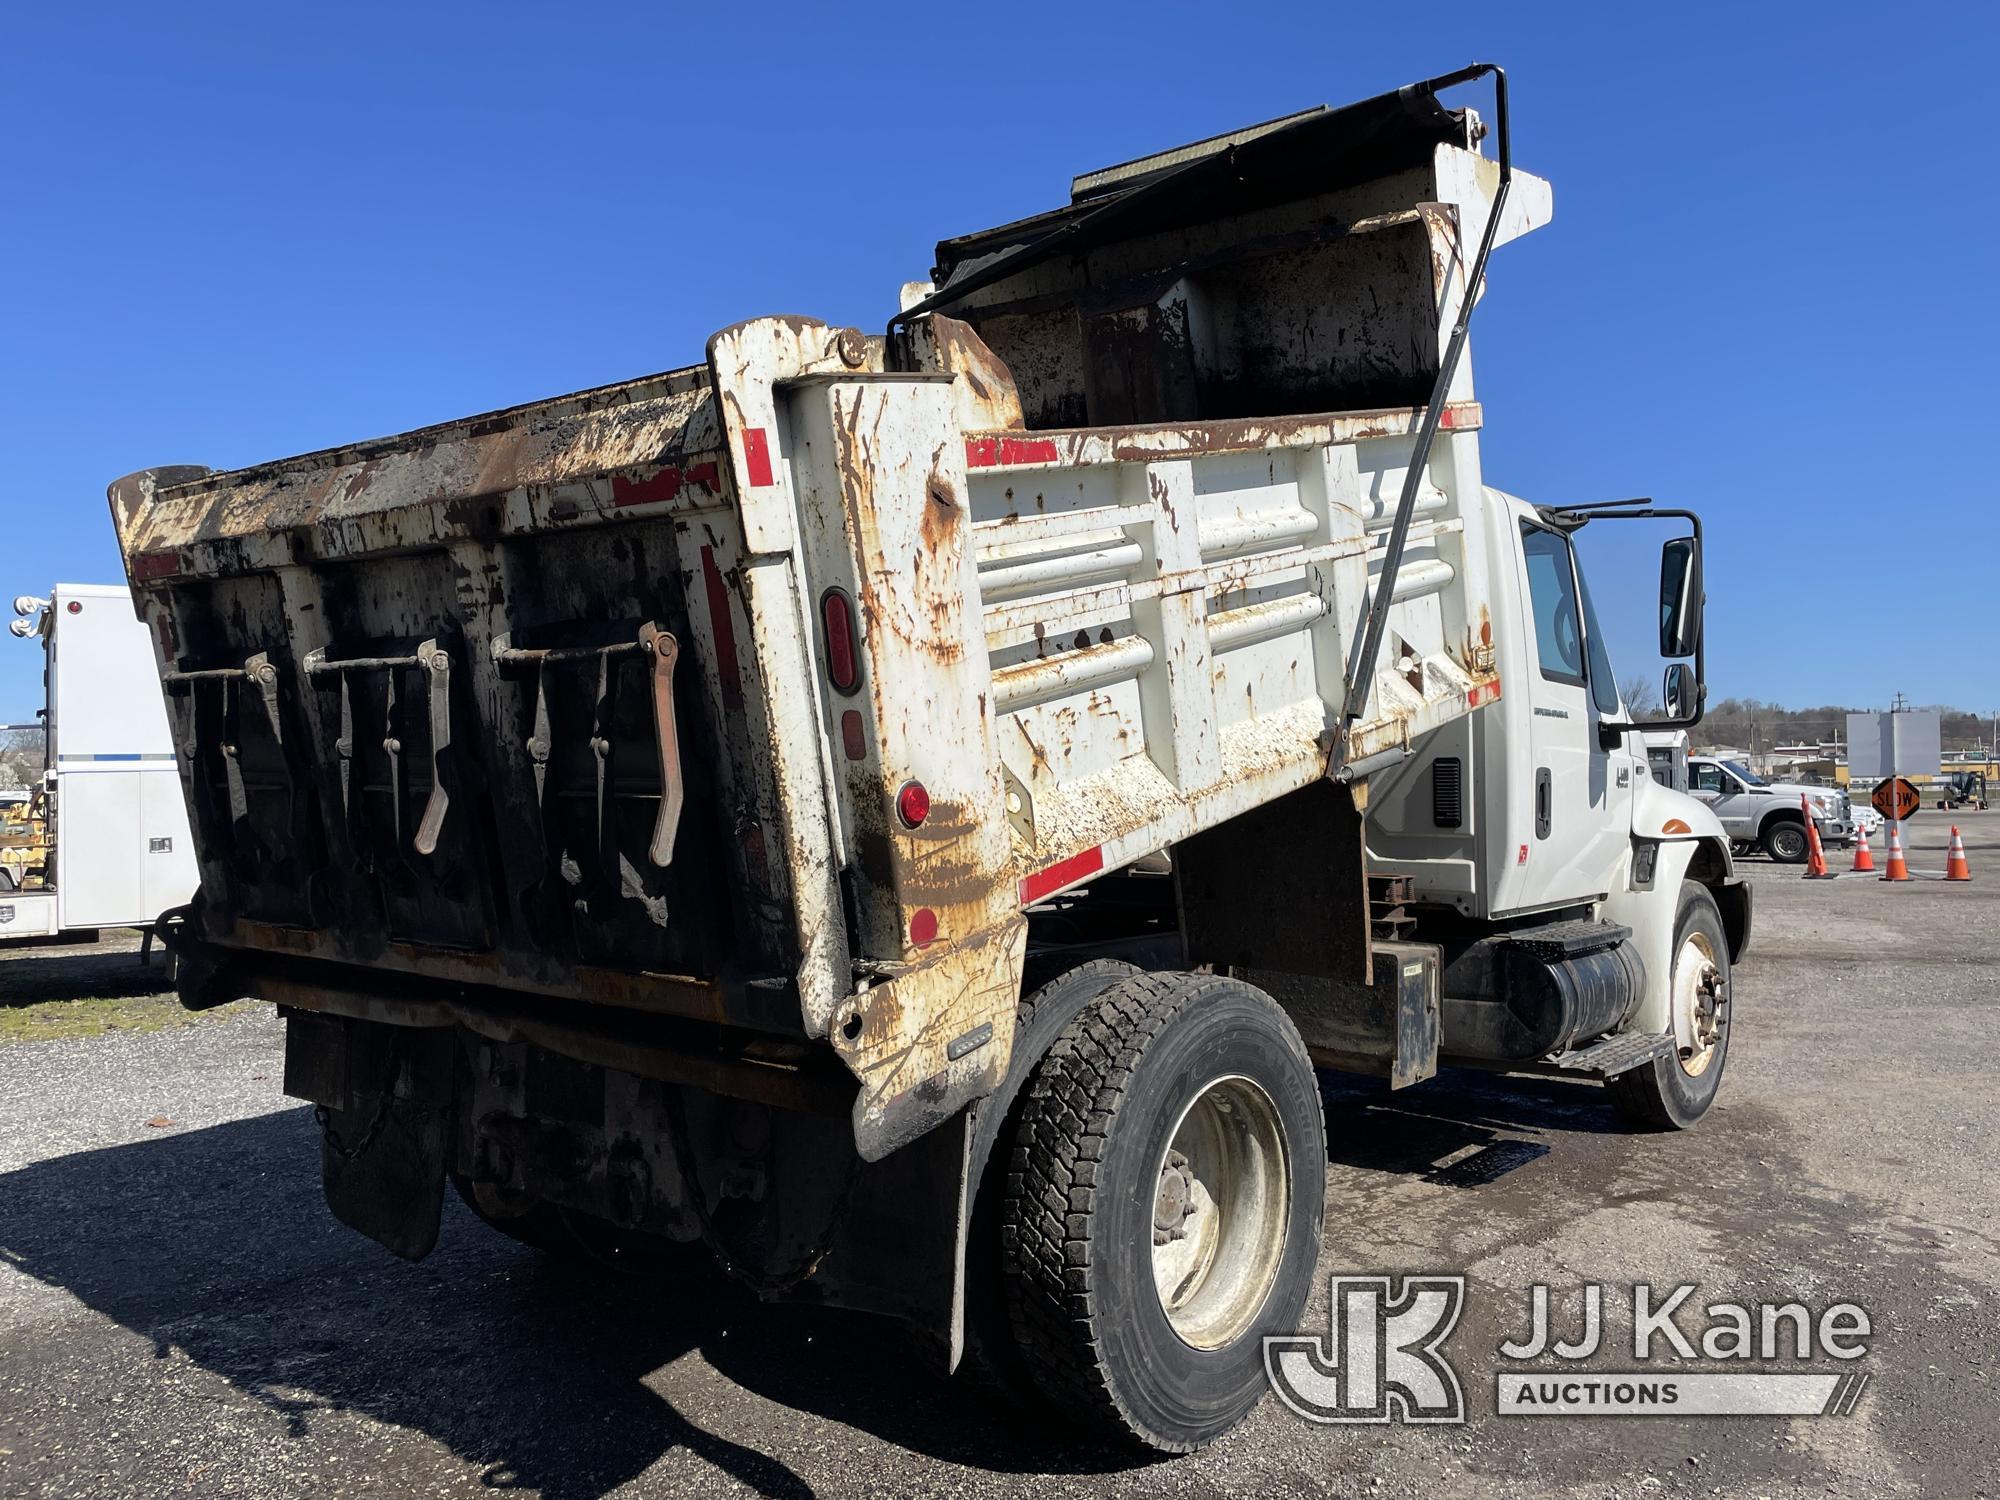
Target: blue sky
1767, 293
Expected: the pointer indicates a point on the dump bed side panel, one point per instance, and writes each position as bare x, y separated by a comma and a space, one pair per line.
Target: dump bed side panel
1169, 614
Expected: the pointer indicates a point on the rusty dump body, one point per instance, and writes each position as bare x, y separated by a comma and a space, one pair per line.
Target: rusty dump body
558, 755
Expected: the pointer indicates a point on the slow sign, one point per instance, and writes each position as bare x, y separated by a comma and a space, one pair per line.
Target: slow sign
1895, 798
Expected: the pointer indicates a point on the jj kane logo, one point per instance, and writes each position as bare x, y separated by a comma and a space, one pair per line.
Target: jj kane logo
1383, 1357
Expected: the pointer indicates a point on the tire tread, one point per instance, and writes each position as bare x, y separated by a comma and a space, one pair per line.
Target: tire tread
1056, 1303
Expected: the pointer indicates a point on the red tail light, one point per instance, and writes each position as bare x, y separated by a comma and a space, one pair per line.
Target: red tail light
843, 657
913, 804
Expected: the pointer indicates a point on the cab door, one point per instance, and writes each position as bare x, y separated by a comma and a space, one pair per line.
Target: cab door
1727, 797
1582, 795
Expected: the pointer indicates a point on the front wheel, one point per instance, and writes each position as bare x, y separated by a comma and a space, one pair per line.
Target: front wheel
1674, 1091
1785, 841
1162, 1207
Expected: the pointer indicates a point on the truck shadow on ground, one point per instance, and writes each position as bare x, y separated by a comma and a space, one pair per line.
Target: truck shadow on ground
214, 1242
1505, 1122
79, 973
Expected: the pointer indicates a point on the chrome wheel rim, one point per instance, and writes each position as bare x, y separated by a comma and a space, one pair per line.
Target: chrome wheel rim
1222, 1199
1701, 1001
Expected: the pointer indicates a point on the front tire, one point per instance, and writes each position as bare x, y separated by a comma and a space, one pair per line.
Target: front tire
1785, 841
1675, 1091
1162, 1207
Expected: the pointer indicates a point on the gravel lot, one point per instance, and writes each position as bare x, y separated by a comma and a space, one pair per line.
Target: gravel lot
180, 1315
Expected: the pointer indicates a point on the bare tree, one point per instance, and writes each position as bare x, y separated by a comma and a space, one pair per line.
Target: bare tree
1640, 696
21, 757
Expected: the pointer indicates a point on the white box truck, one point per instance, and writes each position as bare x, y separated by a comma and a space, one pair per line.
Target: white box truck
908, 813
118, 853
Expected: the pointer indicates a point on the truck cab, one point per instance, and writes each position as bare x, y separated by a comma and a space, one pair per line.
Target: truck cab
1667, 757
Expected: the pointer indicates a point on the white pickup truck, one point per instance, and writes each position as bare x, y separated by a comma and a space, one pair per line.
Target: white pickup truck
908, 813
1769, 815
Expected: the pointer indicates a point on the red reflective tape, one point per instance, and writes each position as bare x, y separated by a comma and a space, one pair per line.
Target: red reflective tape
1023, 451
756, 457
1485, 692
156, 564
703, 476
661, 486
1063, 872
984, 453
724, 625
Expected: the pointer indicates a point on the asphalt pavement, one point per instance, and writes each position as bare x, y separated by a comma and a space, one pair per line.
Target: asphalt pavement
179, 1314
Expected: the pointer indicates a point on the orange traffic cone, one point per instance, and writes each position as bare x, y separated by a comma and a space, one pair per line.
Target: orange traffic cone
1898, 869
1955, 867
1864, 857
1815, 856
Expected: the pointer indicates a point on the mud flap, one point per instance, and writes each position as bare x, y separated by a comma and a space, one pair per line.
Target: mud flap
384, 1097
392, 1187
899, 1247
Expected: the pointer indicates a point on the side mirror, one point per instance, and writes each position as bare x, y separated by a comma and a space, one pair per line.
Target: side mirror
1680, 597
1680, 694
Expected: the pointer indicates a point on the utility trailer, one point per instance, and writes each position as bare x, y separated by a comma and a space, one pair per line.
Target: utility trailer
106, 841
909, 812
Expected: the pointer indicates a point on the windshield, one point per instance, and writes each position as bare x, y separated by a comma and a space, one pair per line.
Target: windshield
1745, 773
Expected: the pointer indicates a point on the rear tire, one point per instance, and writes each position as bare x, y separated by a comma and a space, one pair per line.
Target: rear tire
1173, 1097
1674, 1092
1785, 841
1039, 1019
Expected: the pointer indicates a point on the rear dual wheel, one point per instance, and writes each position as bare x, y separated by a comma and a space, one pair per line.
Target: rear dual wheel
1161, 1209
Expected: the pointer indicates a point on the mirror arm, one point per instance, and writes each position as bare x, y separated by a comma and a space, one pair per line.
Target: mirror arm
1571, 517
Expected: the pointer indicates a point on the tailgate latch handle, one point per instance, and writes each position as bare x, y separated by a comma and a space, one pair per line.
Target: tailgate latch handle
663, 651
435, 663
437, 667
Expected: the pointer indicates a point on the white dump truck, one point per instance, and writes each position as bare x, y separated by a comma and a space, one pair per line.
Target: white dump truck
909, 813
109, 842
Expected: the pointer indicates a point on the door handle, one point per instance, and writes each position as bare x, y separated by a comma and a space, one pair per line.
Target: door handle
1544, 802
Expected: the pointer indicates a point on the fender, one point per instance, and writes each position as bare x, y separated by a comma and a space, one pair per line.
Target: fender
1688, 843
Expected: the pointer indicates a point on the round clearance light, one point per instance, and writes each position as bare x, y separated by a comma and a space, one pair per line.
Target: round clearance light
75, 607
913, 804
923, 928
